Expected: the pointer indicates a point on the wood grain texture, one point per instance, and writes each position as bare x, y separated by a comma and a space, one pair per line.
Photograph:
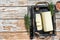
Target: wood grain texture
12, 25
14, 36
12, 12
13, 2
19, 12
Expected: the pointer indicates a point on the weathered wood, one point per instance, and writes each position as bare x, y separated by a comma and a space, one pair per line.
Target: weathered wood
58, 24
58, 15
12, 12
13, 2
14, 36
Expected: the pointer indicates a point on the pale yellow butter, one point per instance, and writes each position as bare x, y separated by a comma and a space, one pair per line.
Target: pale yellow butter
38, 22
47, 21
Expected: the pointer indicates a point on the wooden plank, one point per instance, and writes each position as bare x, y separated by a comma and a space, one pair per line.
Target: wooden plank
57, 15
57, 24
12, 25
14, 36
12, 12
13, 2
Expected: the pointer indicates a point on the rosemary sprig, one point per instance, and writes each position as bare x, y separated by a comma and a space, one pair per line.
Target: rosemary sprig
51, 7
27, 22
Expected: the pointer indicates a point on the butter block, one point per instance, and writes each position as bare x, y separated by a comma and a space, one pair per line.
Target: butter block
38, 22
47, 21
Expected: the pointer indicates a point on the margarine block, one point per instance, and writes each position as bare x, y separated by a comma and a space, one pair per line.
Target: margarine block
47, 21
38, 22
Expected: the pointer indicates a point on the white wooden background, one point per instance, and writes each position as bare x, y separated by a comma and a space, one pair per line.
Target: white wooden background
18, 8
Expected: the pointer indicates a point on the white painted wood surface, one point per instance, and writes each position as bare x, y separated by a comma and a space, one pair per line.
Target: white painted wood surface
13, 2
12, 12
